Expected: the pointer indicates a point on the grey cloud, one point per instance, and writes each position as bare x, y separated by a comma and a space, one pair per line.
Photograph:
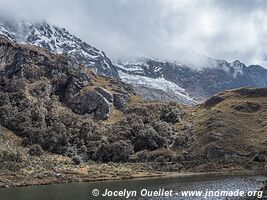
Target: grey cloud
243, 6
164, 29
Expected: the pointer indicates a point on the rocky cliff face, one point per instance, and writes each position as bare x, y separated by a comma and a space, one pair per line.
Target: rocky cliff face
214, 77
51, 101
58, 40
39, 76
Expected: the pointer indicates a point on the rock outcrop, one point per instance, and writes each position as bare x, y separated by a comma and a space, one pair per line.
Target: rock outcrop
42, 75
105, 94
92, 103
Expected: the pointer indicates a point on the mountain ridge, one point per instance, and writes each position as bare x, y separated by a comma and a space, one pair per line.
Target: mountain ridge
162, 80
202, 82
58, 40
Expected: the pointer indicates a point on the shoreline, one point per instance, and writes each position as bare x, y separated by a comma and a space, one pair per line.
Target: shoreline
138, 177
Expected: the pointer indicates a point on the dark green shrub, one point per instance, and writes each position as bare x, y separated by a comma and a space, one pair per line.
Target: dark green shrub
119, 151
149, 139
36, 150
77, 160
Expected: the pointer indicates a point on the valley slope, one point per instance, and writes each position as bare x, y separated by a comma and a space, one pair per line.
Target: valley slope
69, 120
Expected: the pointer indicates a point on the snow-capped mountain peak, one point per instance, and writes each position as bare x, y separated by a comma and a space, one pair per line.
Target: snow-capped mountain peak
58, 40
211, 78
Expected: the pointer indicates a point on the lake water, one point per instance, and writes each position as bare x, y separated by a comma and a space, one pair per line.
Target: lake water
82, 191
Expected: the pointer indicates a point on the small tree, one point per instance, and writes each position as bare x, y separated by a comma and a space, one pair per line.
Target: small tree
77, 160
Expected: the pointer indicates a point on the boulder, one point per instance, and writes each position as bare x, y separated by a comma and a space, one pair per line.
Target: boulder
93, 103
105, 94
74, 85
121, 100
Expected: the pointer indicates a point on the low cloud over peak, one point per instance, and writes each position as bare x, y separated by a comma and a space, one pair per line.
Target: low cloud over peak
164, 29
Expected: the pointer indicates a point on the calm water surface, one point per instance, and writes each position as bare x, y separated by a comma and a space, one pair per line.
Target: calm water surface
82, 191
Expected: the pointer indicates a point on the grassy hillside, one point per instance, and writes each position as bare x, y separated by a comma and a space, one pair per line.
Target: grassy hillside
57, 116
230, 125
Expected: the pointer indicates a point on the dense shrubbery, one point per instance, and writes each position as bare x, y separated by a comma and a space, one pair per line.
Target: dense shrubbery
148, 138
36, 150
11, 160
57, 129
53, 129
119, 151
36, 110
171, 114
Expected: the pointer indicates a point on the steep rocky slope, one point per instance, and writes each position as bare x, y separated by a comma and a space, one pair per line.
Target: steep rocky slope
153, 79
199, 82
41, 74
58, 40
48, 99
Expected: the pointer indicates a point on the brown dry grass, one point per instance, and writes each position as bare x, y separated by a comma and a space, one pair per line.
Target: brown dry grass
101, 81
242, 132
116, 115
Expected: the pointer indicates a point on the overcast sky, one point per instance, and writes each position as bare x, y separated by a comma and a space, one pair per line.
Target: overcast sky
164, 29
